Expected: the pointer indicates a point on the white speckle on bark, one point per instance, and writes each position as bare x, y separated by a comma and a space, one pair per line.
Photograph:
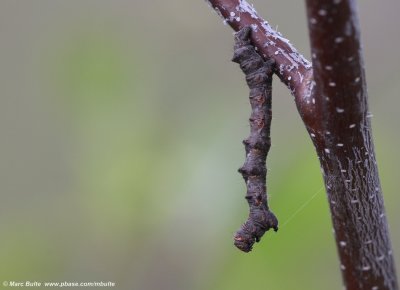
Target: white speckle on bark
289, 78
332, 84
364, 178
366, 268
357, 80
380, 258
300, 76
313, 21
328, 67
375, 288
342, 243
312, 135
339, 110
246, 7
339, 144
313, 101
336, 1
343, 170
327, 150
322, 12
291, 55
339, 39
342, 267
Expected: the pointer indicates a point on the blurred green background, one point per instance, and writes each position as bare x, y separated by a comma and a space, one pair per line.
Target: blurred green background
121, 127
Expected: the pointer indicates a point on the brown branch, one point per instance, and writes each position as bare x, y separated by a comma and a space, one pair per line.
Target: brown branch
335, 111
341, 133
291, 67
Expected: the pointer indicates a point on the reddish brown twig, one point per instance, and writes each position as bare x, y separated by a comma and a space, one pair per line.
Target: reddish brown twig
341, 133
291, 67
332, 101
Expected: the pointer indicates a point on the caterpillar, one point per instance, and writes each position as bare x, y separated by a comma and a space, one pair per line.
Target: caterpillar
258, 75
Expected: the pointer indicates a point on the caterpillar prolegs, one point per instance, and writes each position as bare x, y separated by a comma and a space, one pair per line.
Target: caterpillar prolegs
259, 79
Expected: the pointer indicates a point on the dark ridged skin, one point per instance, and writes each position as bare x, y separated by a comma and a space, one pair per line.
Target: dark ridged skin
259, 79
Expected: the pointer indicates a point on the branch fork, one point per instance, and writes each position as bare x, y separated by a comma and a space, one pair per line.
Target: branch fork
331, 98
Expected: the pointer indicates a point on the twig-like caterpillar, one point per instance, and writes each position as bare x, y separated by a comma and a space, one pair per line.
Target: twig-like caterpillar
259, 79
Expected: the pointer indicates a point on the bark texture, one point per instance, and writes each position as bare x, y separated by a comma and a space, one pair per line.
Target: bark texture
341, 133
291, 67
331, 98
